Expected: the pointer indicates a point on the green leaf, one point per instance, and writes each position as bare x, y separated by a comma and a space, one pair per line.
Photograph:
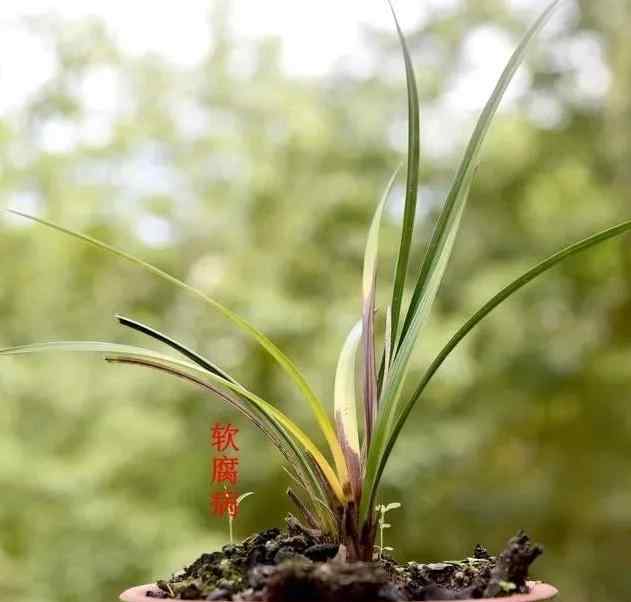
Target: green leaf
274, 431
304, 509
268, 409
288, 366
301, 462
434, 266
179, 347
145, 357
392, 386
368, 315
387, 354
469, 162
400, 363
372, 242
486, 309
109, 349
346, 407
82, 346
294, 476
411, 189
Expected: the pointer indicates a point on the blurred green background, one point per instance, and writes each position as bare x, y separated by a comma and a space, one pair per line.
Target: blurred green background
256, 184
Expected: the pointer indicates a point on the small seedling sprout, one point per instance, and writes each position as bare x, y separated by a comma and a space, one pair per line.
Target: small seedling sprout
383, 525
231, 517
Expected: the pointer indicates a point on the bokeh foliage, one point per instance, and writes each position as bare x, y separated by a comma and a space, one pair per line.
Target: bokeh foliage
258, 188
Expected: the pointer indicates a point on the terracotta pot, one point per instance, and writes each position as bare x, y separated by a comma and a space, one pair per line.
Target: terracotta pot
538, 591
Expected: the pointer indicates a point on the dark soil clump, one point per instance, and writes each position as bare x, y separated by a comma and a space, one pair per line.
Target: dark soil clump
300, 566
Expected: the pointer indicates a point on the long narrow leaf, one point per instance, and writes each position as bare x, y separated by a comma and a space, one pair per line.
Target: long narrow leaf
326, 522
139, 355
294, 476
346, 408
486, 309
387, 346
411, 189
396, 374
80, 346
226, 396
272, 430
270, 411
400, 363
371, 393
372, 241
287, 365
112, 348
179, 347
302, 508
369, 368
317, 503
435, 262
300, 462
470, 159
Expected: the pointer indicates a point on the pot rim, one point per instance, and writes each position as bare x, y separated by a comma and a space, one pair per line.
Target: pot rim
538, 591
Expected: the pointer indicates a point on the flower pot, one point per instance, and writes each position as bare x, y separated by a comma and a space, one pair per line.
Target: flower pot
538, 591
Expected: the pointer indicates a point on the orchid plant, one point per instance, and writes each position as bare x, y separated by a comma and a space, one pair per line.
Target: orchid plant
336, 491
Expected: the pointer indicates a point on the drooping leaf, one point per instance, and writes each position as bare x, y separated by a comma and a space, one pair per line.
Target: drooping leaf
179, 347
145, 357
272, 430
288, 366
268, 409
306, 474
80, 346
108, 349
